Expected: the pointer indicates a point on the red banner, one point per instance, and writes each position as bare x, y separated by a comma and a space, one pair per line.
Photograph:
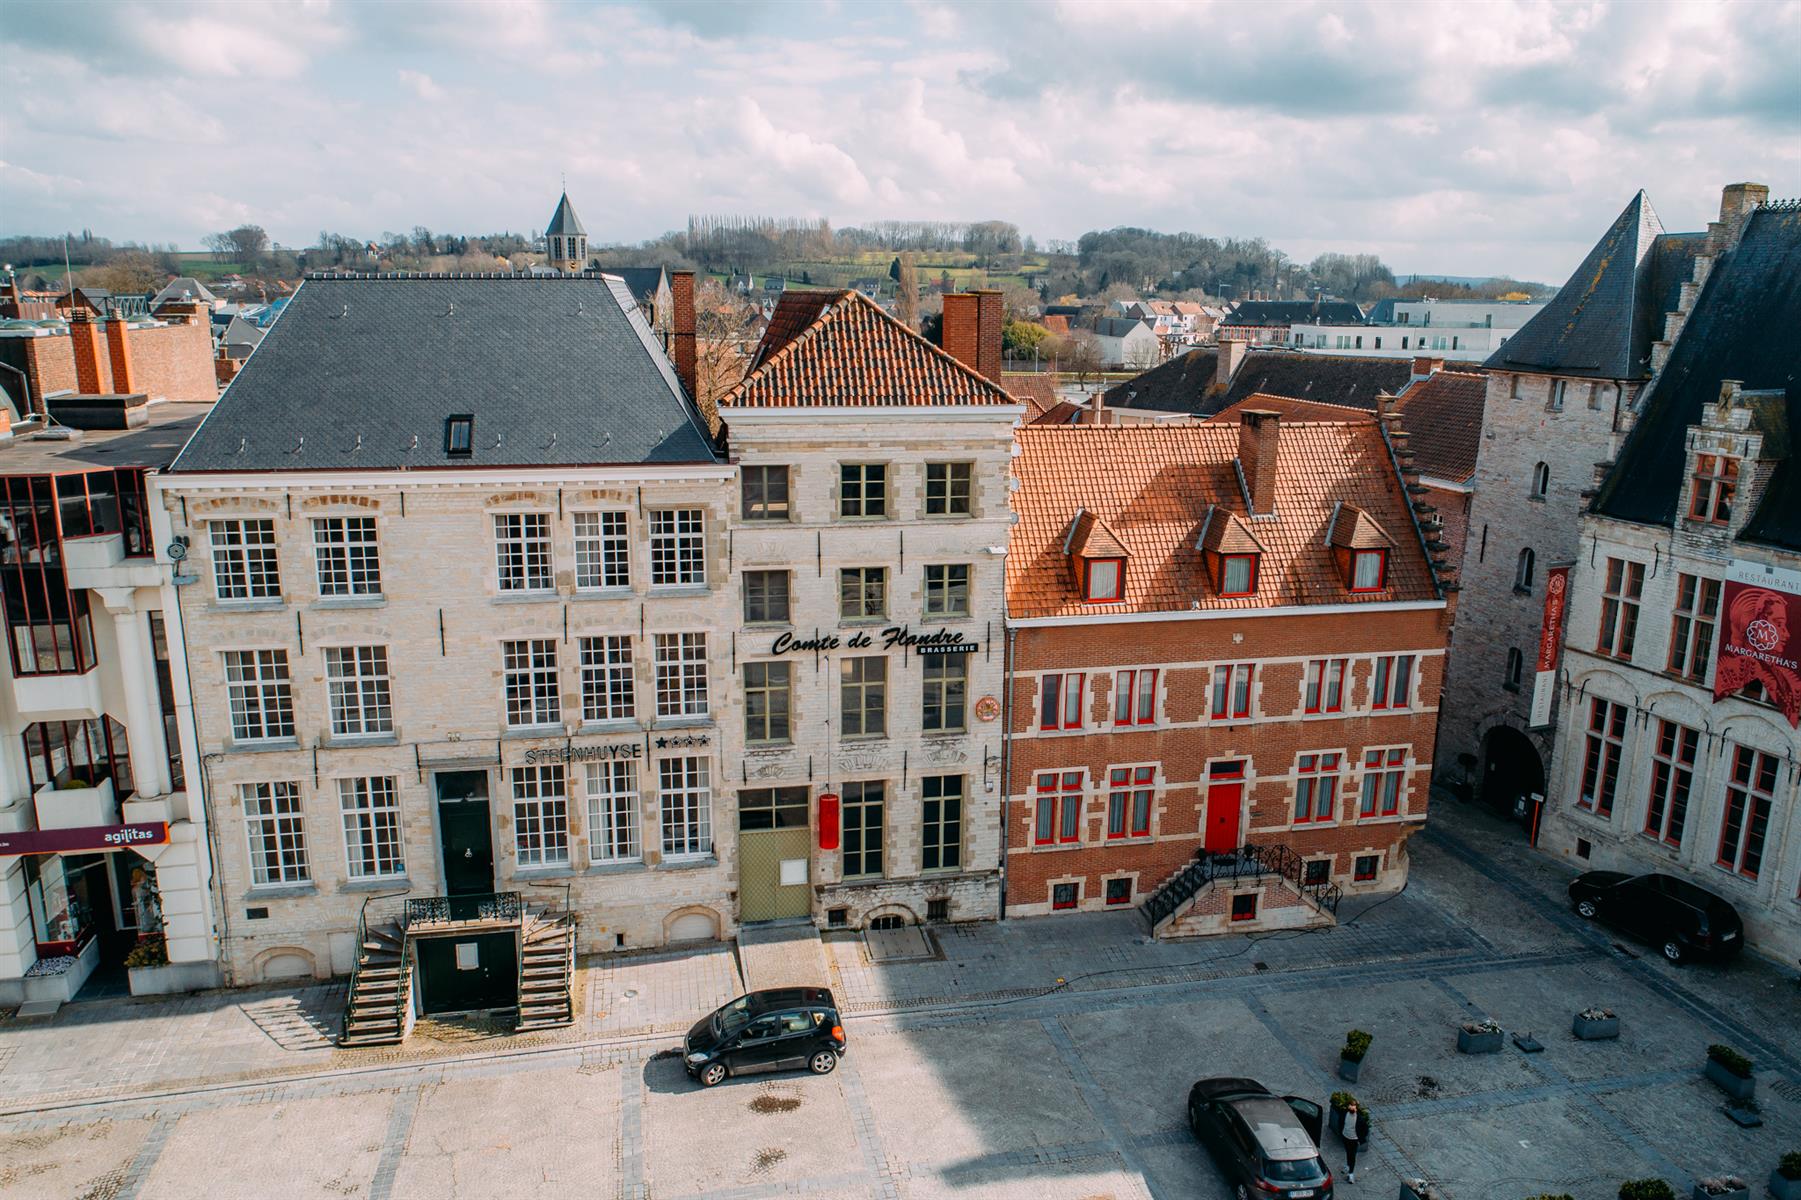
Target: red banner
87, 839
1550, 633
1760, 642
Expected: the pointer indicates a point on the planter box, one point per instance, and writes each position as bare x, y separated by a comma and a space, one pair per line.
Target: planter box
1479, 1043
1407, 1193
171, 978
1735, 1194
1347, 1070
1732, 1085
1595, 1030
76, 808
1784, 1188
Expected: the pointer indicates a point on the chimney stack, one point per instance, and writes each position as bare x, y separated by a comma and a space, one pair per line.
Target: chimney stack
118, 352
1424, 367
86, 344
972, 330
988, 333
1737, 202
1227, 360
681, 290
1258, 433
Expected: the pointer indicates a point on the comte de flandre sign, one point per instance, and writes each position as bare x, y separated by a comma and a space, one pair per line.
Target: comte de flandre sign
941, 641
88, 838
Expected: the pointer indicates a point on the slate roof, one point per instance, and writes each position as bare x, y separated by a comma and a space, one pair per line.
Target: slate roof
1743, 327
182, 287
1153, 486
1293, 312
1118, 327
642, 282
564, 222
1602, 323
558, 370
830, 348
1184, 383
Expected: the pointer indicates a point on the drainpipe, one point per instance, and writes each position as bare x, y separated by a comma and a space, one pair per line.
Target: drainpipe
1006, 756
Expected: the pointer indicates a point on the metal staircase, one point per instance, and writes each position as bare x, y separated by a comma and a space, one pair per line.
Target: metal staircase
1249, 861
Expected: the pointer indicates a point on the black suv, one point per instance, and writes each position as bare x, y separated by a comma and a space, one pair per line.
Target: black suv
1265, 1145
766, 1031
1674, 915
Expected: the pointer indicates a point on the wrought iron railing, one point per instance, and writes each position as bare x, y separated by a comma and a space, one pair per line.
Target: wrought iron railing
443, 910
1249, 861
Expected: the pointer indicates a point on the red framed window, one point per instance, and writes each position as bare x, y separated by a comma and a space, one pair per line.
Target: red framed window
1103, 580
1119, 891
1058, 817
1601, 756
1750, 794
1716, 479
1391, 682
1691, 627
1366, 867
1384, 782
1232, 691
1325, 685
1619, 608
1672, 774
1315, 788
1135, 697
1129, 794
1065, 895
1060, 701
1369, 570
1244, 908
1238, 574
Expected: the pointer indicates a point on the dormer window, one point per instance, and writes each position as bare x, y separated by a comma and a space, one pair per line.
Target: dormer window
1097, 558
1238, 574
1716, 480
1231, 552
459, 435
1103, 580
1369, 570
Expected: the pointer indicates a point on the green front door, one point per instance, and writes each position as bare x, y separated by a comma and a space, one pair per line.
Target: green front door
775, 852
457, 974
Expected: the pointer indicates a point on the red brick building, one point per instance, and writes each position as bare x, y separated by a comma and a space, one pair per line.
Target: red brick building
1227, 647
168, 357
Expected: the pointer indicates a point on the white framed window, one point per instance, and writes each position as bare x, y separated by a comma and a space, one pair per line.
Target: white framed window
678, 547
685, 799
276, 832
244, 563
356, 679
262, 696
522, 552
608, 690
603, 556
372, 842
347, 556
681, 674
530, 669
613, 820
540, 815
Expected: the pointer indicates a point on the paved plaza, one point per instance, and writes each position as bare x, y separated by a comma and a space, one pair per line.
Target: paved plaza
1044, 1059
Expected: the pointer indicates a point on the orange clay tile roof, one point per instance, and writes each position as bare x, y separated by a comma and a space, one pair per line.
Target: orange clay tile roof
1355, 529
840, 348
1226, 532
1089, 537
1035, 389
1289, 409
1057, 323
1152, 486
1442, 415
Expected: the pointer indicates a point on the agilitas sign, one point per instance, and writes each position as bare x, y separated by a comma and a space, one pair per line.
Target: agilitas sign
84, 840
941, 641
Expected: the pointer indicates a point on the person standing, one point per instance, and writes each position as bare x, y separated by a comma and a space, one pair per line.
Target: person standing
1356, 1131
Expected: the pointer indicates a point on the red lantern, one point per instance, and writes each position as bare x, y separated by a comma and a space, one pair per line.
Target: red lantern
828, 820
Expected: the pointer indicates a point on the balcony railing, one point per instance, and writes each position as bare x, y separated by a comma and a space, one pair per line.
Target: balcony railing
451, 910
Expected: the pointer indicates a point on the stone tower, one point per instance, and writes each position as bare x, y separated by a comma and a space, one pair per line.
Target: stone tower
565, 241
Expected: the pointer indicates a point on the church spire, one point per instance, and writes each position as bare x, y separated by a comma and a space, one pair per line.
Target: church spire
565, 241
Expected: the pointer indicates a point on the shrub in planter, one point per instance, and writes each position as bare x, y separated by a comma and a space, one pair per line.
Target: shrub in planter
151, 951
1596, 1024
1479, 1037
1552, 1196
1785, 1180
1350, 1059
1731, 1072
1646, 1189
1721, 1187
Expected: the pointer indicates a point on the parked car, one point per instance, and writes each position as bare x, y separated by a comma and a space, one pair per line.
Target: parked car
775, 1030
1682, 920
1264, 1144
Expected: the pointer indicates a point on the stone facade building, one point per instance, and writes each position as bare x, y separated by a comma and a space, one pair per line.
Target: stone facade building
1562, 394
867, 554
1677, 749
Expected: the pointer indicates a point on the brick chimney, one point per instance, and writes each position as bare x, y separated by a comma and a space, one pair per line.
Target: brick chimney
118, 352
1424, 367
1227, 361
972, 330
988, 332
86, 344
681, 291
1258, 432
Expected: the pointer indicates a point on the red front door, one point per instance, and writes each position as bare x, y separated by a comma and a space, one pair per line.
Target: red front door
1224, 799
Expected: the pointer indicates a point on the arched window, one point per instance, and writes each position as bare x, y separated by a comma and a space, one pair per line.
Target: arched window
1541, 481
1522, 576
1516, 666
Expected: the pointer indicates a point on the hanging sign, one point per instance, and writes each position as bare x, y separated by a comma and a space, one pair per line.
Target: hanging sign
940, 641
1760, 636
1550, 644
86, 839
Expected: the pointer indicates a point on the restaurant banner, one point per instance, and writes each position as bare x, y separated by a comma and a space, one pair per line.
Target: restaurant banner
1760, 637
1550, 644
87, 839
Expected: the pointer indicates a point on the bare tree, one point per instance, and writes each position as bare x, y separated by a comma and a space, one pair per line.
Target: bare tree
1078, 355
722, 344
906, 292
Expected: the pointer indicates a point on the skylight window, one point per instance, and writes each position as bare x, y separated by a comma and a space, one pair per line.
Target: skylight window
459, 435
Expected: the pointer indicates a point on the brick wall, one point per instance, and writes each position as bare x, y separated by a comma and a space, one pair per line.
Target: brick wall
168, 362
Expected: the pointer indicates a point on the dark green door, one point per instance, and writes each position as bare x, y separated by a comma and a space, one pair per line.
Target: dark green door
460, 973
465, 834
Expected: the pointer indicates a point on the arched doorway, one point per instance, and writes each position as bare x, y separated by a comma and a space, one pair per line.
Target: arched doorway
1512, 772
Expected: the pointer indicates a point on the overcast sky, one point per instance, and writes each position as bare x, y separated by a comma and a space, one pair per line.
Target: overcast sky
1462, 138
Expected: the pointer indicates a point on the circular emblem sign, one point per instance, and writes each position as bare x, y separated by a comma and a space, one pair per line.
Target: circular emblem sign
1760, 633
988, 708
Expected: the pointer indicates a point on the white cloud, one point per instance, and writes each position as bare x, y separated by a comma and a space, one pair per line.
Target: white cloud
421, 84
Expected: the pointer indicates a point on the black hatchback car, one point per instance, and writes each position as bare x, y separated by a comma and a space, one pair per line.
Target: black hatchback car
1680, 919
776, 1030
1264, 1144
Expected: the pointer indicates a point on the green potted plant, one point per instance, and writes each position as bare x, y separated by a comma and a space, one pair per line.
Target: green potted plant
1721, 1187
1730, 1071
1785, 1180
1646, 1189
1350, 1059
1596, 1024
1480, 1037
